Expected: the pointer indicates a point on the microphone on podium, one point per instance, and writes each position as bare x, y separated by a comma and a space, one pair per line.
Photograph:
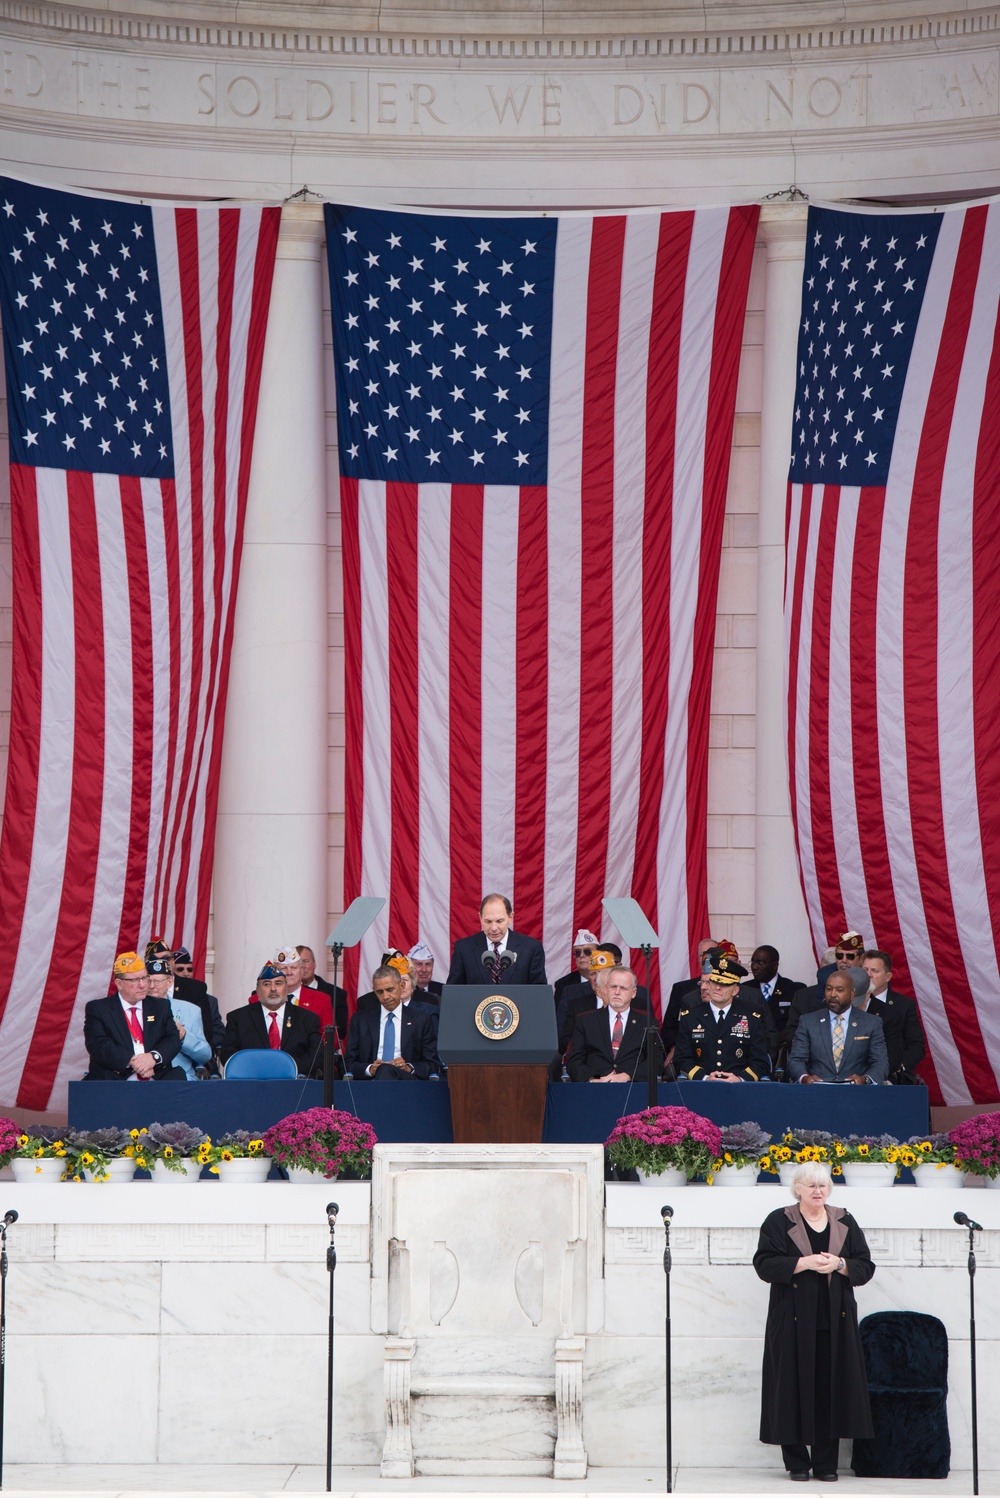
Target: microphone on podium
967, 1222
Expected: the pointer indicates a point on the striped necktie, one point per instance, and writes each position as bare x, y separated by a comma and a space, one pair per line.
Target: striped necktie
838, 1041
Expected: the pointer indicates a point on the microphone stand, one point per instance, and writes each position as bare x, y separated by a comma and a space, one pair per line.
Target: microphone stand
331, 1264
8, 1221
667, 1213
973, 1228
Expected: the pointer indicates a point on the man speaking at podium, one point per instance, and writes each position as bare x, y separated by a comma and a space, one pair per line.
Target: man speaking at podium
497, 954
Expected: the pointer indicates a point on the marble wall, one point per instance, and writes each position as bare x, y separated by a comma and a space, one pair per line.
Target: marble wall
201, 1310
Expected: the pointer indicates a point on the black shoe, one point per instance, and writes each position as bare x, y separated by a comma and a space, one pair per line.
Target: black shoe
825, 1476
799, 1476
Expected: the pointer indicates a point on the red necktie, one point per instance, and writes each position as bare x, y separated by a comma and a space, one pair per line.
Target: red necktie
133, 1023
273, 1033
616, 1035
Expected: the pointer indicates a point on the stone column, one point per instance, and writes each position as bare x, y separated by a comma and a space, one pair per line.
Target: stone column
271, 835
780, 908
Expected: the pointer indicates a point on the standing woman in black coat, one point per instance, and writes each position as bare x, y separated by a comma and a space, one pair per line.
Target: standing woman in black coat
814, 1388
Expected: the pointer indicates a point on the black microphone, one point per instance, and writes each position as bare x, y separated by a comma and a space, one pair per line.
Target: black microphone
967, 1222
9, 1218
667, 1213
332, 1209
487, 958
507, 959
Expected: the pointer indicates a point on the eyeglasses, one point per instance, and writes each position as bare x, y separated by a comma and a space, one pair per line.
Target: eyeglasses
582, 951
136, 978
848, 956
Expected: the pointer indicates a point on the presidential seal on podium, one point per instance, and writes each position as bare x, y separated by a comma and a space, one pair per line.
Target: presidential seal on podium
497, 1017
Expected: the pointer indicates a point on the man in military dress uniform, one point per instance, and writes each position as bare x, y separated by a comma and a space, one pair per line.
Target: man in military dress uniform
725, 1039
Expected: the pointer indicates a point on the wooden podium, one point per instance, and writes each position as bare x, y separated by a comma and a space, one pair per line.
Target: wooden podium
497, 1043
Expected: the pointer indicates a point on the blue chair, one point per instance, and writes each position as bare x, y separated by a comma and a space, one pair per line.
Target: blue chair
260, 1066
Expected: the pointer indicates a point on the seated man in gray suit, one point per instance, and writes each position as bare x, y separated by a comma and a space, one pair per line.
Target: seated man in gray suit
839, 1043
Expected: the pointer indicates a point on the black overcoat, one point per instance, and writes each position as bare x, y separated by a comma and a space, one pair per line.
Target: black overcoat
788, 1389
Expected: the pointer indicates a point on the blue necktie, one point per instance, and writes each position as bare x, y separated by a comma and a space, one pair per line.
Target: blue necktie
389, 1039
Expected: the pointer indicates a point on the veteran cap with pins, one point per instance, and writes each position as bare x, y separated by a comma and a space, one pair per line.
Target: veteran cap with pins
129, 965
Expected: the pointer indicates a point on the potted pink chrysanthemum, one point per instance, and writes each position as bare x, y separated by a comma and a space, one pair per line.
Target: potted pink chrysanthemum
666, 1146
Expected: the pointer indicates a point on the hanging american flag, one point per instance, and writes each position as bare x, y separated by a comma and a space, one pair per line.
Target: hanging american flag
535, 418
892, 601
133, 339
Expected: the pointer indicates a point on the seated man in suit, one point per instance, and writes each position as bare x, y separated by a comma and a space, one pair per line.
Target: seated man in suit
497, 953
775, 990
839, 1043
425, 987
848, 952
195, 1050
582, 998
723, 1038
388, 1043
129, 1036
607, 1044
272, 1022
904, 1035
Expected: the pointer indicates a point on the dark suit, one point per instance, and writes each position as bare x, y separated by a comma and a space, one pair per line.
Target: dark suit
109, 1040
864, 1047
416, 1044
904, 1035
738, 1045
581, 999
196, 992
467, 960
301, 1035
590, 1053
431, 994
680, 996
778, 1001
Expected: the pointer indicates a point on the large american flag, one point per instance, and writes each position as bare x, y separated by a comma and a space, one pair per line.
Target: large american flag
133, 339
892, 602
535, 418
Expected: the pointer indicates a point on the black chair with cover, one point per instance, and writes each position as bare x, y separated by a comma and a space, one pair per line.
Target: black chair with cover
906, 1356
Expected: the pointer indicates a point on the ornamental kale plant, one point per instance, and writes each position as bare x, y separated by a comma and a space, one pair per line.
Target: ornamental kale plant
658, 1138
977, 1145
742, 1144
324, 1140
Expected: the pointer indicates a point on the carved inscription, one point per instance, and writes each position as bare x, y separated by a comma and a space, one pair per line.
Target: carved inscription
473, 103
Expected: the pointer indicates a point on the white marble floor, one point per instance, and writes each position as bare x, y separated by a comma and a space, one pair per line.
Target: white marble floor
187, 1482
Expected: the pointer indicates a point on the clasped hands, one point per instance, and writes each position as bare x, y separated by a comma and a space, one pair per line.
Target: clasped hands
822, 1263
859, 1081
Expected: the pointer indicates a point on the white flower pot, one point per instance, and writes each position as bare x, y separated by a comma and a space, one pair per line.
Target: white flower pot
933, 1179
869, 1173
121, 1168
190, 1172
991, 1182
673, 1177
38, 1170
787, 1170
299, 1176
245, 1172
736, 1175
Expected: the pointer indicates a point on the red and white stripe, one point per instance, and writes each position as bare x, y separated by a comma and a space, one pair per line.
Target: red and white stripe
892, 598
121, 645
528, 669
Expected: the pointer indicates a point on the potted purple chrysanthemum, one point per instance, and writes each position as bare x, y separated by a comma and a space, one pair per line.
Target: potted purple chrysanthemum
977, 1147
666, 1146
320, 1143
